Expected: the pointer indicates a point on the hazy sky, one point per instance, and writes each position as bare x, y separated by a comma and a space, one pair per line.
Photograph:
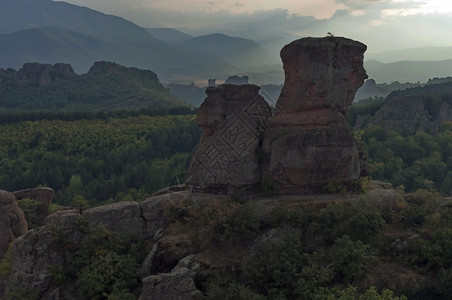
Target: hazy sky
381, 24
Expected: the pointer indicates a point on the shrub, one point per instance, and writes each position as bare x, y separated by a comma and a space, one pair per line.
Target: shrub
351, 259
5, 264
108, 274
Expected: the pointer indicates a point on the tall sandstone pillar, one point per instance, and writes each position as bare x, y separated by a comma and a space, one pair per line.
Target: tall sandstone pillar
308, 142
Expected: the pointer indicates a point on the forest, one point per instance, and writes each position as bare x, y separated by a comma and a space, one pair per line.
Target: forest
98, 159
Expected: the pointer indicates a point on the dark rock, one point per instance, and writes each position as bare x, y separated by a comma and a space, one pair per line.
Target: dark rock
64, 219
178, 284
233, 118
12, 221
41, 194
121, 217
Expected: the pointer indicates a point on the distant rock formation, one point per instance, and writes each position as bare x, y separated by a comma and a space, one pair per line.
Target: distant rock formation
41, 75
211, 82
406, 115
307, 143
233, 118
12, 221
370, 89
237, 80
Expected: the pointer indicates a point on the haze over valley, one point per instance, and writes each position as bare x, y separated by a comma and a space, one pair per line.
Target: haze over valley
192, 44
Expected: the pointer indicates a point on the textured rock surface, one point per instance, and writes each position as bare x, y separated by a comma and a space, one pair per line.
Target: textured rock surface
406, 115
308, 142
35, 74
12, 221
178, 284
233, 118
42, 194
32, 254
319, 73
122, 217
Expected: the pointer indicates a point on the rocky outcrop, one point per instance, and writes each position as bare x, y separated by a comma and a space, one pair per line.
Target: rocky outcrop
178, 284
121, 217
406, 115
36, 74
42, 194
233, 118
308, 142
12, 221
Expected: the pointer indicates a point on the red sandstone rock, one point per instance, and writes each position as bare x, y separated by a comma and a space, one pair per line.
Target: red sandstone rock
320, 73
233, 117
308, 142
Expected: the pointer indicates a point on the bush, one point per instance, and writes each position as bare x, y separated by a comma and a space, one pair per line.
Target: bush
108, 274
350, 259
5, 264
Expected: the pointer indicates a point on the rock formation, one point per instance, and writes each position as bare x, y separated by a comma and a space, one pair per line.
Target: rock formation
406, 115
12, 221
237, 80
233, 118
36, 74
178, 284
308, 143
42, 194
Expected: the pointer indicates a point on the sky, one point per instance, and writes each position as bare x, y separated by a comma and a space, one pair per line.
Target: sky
380, 24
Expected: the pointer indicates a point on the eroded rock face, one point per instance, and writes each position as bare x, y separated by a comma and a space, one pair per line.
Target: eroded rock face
41, 194
12, 221
406, 115
320, 73
233, 118
178, 284
121, 217
308, 143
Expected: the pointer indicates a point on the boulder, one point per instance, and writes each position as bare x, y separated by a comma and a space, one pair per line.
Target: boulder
12, 221
32, 254
63, 219
178, 284
121, 217
41, 194
233, 118
308, 142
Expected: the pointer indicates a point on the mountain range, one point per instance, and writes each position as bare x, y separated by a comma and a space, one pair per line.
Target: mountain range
48, 31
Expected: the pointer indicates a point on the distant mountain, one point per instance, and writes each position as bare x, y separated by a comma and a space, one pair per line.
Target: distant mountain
416, 54
370, 90
97, 36
169, 35
233, 50
412, 71
18, 15
107, 86
50, 44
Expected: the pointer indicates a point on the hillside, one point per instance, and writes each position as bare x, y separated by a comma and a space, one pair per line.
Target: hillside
412, 71
107, 86
100, 36
416, 54
169, 35
237, 51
